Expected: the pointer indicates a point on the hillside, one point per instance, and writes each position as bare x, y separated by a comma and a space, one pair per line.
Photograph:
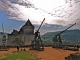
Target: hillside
68, 37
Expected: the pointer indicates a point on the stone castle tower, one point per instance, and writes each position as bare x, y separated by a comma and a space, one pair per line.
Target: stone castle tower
26, 33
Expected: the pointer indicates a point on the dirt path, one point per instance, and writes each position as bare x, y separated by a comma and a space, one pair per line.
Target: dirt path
2, 54
49, 53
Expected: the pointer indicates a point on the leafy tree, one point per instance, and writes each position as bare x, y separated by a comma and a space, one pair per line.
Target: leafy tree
18, 41
68, 37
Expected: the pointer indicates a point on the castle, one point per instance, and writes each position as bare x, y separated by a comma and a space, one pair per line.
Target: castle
26, 33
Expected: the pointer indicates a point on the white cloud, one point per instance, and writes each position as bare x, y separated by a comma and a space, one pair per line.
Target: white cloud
61, 12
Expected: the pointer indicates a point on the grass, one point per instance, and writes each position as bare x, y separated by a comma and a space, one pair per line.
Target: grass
22, 55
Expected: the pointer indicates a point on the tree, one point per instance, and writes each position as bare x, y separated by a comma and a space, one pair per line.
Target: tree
18, 41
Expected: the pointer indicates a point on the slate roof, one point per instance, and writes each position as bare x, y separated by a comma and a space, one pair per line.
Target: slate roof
28, 23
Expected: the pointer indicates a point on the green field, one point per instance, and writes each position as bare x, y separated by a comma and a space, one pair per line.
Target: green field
22, 55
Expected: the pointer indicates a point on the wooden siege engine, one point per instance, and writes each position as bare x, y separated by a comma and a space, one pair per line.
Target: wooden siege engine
36, 44
57, 43
4, 41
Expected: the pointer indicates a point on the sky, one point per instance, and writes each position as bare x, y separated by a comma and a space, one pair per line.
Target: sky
58, 14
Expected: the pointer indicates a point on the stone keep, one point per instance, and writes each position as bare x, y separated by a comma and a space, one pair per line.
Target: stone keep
26, 33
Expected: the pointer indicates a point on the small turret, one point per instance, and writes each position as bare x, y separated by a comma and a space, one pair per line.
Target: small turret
14, 31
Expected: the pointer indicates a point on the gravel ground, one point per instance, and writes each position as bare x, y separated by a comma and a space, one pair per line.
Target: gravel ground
49, 53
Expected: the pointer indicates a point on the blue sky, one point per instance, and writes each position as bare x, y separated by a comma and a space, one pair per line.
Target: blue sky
9, 24
58, 14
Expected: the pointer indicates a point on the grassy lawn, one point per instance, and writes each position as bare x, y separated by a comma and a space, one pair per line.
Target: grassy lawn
22, 55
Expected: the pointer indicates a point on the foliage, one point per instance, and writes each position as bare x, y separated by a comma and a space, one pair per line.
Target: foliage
18, 41
68, 37
22, 55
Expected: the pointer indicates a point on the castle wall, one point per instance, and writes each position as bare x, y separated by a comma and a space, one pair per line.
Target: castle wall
26, 38
28, 31
11, 38
26, 34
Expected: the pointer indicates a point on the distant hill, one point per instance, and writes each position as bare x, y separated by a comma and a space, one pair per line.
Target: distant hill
68, 37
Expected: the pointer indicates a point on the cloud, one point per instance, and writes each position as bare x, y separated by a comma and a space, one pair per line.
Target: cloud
61, 12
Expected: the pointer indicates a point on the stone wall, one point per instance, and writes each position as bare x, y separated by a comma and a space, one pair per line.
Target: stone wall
74, 56
26, 38
26, 34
